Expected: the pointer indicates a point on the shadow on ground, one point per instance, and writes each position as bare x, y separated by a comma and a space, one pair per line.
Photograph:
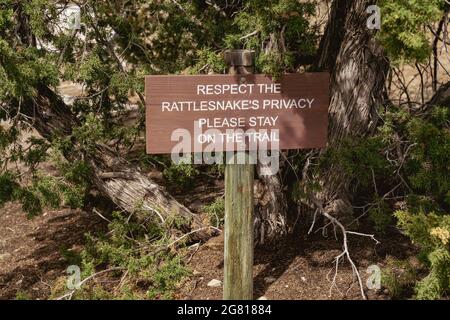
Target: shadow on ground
32, 248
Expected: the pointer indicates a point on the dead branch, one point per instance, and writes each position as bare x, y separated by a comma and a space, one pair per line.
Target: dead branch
345, 253
69, 295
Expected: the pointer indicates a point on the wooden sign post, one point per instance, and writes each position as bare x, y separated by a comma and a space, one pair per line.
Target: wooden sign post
208, 114
238, 239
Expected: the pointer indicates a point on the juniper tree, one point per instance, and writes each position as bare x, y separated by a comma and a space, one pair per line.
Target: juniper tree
121, 41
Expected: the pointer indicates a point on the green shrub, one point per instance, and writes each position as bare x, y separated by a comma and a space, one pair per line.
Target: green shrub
361, 159
398, 277
36, 189
381, 217
181, 175
166, 277
8, 187
216, 212
146, 268
402, 27
431, 232
437, 283
406, 162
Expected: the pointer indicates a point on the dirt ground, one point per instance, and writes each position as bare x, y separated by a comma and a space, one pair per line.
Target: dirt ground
30, 249
298, 268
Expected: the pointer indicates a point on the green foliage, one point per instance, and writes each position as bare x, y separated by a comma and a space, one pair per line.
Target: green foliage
31, 202
437, 282
216, 212
398, 277
89, 133
23, 69
9, 188
425, 169
274, 63
181, 175
20, 295
35, 153
44, 190
418, 227
281, 27
429, 162
208, 60
40, 190
403, 26
7, 137
362, 159
432, 233
408, 158
166, 278
381, 216
50, 192
139, 251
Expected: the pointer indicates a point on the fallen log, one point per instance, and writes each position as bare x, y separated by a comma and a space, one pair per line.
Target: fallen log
118, 179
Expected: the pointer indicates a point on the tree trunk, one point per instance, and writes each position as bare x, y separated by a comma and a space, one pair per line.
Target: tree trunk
441, 97
128, 187
359, 67
271, 208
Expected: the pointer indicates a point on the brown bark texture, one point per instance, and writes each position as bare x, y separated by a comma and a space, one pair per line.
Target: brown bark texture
122, 182
358, 66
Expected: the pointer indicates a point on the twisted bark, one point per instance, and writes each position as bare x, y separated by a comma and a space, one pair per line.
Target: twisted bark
122, 182
271, 209
359, 67
128, 187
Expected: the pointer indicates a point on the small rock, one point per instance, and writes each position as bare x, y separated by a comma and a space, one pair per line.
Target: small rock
196, 273
269, 279
303, 279
263, 298
214, 283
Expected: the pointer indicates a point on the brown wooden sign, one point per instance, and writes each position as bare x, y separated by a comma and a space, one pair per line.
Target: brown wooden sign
228, 110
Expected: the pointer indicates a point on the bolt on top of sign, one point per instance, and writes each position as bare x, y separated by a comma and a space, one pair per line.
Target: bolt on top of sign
214, 113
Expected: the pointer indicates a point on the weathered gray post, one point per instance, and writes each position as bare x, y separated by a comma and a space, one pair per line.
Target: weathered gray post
238, 250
